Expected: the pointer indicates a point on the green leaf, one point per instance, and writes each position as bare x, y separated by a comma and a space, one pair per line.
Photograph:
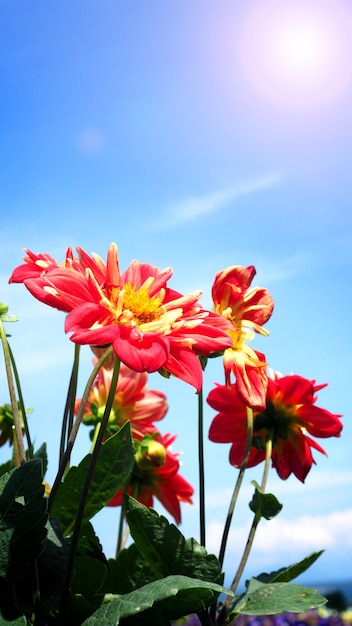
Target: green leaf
128, 572
90, 568
264, 504
286, 574
171, 597
114, 465
268, 599
50, 571
88, 580
22, 518
52, 565
76, 611
89, 544
5, 316
165, 548
6, 467
9, 318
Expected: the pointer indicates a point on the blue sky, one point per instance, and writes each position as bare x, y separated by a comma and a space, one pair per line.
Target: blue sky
199, 136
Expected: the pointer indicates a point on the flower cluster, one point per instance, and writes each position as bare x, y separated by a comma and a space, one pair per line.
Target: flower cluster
289, 414
136, 324
151, 328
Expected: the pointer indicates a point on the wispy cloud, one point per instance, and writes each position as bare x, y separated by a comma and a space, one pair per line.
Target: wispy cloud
195, 207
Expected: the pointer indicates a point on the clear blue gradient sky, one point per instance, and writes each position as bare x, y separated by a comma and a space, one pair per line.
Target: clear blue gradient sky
197, 135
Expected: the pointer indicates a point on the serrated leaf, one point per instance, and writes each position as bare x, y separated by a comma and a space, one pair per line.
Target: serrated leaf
286, 574
272, 598
22, 518
90, 567
165, 548
89, 543
114, 465
264, 504
172, 597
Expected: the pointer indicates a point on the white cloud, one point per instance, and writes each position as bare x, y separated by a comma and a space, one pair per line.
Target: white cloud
304, 533
195, 207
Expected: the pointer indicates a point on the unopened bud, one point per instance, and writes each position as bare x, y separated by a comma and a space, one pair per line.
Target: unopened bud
153, 455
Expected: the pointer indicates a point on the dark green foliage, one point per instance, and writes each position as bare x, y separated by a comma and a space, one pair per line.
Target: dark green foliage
115, 462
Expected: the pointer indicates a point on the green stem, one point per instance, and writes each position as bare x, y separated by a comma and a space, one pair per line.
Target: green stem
256, 520
123, 534
73, 434
13, 400
21, 403
120, 530
201, 468
88, 480
67, 420
238, 484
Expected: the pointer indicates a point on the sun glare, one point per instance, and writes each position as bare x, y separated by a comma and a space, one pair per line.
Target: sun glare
297, 52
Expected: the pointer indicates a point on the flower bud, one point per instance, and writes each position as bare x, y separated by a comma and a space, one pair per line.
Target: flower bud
154, 454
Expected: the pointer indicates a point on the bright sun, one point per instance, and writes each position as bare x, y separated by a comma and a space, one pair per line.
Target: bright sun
297, 52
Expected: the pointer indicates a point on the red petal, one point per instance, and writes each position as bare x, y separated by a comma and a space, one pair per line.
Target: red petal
184, 364
142, 352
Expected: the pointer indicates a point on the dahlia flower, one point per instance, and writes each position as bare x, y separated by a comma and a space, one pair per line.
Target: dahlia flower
150, 326
133, 401
289, 415
247, 309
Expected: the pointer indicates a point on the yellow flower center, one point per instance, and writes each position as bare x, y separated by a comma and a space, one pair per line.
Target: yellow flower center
145, 308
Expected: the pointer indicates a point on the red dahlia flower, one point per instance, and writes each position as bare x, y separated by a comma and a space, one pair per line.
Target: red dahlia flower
150, 326
156, 474
247, 309
290, 413
133, 401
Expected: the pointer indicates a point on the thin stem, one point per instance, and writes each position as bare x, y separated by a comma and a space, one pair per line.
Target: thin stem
125, 537
67, 420
120, 530
21, 402
254, 525
268, 453
73, 434
14, 405
237, 485
88, 480
201, 468
123, 534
